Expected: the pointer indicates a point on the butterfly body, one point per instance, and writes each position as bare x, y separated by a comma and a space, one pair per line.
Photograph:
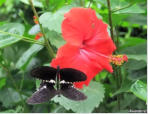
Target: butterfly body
56, 82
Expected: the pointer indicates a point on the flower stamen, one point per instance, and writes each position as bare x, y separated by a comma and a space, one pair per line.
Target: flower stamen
118, 59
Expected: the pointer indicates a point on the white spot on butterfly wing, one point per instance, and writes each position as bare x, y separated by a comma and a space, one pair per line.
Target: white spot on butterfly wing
46, 80
51, 81
64, 82
44, 87
39, 89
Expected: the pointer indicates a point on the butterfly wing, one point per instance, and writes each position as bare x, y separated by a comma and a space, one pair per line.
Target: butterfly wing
72, 75
44, 73
70, 92
44, 94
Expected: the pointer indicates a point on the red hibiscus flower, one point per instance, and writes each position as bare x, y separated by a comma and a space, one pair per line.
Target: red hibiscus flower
88, 44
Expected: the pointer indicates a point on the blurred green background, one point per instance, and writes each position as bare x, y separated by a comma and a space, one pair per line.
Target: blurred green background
18, 57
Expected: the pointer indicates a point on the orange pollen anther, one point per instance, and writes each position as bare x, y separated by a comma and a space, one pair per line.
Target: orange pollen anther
118, 59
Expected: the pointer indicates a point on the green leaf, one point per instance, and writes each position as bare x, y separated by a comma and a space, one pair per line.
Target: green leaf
56, 4
101, 76
36, 3
14, 50
136, 1
137, 19
132, 9
8, 111
53, 21
116, 21
135, 64
34, 30
138, 49
139, 89
59, 109
125, 87
137, 74
117, 4
3, 73
2, 1
55, 39
17, 110
124, 5
3, 22
136, 69
132, 41
137, 57
94, 93
9, 97
2, 82
15, 28
26, 57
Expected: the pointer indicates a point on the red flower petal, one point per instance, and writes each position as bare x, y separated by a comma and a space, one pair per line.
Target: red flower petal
78, 22
101, 41
67, 50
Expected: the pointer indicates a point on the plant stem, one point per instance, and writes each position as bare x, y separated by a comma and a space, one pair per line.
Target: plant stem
118, 84
50, 51
115, 73
33, 41
119, 68
47, 4
110, 20
23, 38
117, 39
22, 81
82, 3
90, 1
120, 75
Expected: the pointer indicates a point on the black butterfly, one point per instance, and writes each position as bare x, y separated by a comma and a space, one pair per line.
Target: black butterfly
56, 82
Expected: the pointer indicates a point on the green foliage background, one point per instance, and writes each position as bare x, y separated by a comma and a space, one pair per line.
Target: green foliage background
19, 53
